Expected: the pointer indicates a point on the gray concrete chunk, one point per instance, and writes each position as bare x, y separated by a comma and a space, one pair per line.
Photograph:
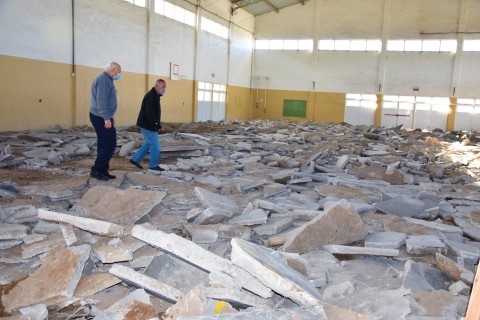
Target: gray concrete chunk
157, 288
257, 216
340, 224
270, 267
200, 257
53, 282
274, 226
424, 244
91, 225
402, 206
388, 239
338, 249
12, 231
137, 304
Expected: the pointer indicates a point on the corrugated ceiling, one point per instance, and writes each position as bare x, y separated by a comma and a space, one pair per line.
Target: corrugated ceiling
259, 7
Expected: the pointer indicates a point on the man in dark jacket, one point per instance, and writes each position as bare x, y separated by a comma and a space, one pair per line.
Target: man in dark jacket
149, 123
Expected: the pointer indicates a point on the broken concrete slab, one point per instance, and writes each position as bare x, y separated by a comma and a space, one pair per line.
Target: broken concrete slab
388, 239
135, 305
35, 312
113, 251
220, 208
176, 273
10, 231
91, 225
52, 241
274, 225
366, 251
59, 191
270, 267
196, 304
340, 224
420, 277
53, 282
254, 217
402, 206
201, 233
439, 303
424, 244
200, 257
68, 234
232, 231
121, 207
91, 284
157, 288
239, 298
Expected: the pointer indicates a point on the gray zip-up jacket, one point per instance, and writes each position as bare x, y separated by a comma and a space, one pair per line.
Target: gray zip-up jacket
103, 98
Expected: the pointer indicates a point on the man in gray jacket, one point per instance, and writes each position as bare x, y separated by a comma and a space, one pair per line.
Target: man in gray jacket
103, 105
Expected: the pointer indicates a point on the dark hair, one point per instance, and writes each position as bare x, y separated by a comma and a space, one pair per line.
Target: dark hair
159, 81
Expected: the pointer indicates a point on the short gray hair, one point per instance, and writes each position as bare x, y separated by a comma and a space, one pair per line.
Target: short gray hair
112, 65
159, 81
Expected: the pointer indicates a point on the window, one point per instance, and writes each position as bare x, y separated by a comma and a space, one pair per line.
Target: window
468, 105
400, 102
175, 12
211, 92
350, 45
140, 3
417, 45
439, 104
214, 28
278, 44
361, 100
471, 45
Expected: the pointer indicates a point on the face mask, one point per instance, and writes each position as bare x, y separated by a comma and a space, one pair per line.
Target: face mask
117, 76
162, 91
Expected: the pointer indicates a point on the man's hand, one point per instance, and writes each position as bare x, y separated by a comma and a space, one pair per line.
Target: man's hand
161, 131
108, 124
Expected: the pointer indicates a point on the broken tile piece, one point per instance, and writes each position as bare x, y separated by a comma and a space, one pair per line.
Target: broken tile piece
53, 282
254, 217
420, 277
91, 284
10, 231
271, 267
159, 289
338, 249
424, 244
340, 224
402, 206
388, 239
200, 257
136, 305
114, 251
122, 207
274, 225
95, 226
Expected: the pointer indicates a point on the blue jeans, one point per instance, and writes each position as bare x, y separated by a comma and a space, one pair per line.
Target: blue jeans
152, 145
106, 143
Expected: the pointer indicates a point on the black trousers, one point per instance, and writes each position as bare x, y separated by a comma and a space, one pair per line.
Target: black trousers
106, 143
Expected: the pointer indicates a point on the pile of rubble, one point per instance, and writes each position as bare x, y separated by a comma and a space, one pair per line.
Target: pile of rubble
249, 220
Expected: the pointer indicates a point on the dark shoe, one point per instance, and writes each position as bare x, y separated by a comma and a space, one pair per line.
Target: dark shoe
98, 175
108, 175
136, 164
156, 169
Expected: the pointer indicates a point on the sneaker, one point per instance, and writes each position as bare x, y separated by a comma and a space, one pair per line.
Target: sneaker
156, 169
108, 175
98, 175
136, 164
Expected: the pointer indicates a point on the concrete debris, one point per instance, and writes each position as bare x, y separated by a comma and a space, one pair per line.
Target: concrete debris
53, 282
359, 222
91, 225
340, 224
151, 285
136, 305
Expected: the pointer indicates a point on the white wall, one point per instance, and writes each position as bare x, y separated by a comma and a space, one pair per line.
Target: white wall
437, 74
36, 29
140, 41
